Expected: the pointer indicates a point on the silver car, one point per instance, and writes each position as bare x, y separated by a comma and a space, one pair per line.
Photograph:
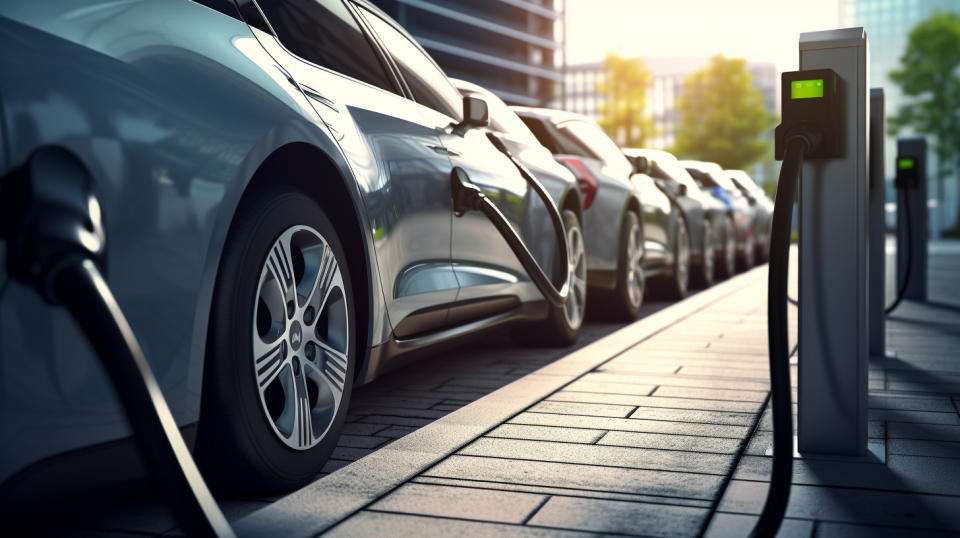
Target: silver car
620, 247
555, 177
276, 186
712, 242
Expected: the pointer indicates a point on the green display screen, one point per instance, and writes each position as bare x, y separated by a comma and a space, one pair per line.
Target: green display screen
905, 164
806, 89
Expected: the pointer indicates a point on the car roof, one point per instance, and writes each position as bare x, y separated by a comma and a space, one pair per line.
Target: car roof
551, 114
650, 153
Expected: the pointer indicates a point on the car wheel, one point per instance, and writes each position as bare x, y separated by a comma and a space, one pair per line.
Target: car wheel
623, 304
746, 261
281, 352
728, 253
563, 326
705, 269
680, 279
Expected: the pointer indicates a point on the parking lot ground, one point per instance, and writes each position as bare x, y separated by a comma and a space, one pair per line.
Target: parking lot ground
659, 429
656, 428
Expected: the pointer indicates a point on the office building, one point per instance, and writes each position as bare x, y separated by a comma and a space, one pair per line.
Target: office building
512, 47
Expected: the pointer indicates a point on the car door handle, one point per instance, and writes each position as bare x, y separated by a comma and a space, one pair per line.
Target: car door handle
443, 150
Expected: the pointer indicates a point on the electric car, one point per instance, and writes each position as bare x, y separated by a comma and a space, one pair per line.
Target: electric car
711, 177
660, 233
712, 246
276, 185
762, 210
530, 153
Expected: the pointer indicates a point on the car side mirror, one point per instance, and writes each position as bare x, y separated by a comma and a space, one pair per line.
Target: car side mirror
640, 164
475, 113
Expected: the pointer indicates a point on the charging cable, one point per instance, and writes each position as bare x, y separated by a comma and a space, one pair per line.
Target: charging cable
469, 197
906, 274
57, 245
798, 144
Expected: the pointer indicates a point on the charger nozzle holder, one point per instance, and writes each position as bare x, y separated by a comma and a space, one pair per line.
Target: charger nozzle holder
812, 108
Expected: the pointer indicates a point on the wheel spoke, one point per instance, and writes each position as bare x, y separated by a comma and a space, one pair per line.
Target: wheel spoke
328, 279
303, 417
280, 265
338, 357
268, 361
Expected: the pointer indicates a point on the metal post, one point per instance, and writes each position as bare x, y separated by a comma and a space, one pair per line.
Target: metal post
877, 249
916, 149
834, 225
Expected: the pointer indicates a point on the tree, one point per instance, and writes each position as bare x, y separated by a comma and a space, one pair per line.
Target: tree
722, 115
624, 91
930, 74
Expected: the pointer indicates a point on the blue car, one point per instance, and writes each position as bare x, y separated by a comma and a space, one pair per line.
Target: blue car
276, 186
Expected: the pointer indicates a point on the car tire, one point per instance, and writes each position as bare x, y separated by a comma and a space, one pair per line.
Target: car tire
727, 256
624, 301
283, 279
679, 283
563, 325
747, 259
705, 273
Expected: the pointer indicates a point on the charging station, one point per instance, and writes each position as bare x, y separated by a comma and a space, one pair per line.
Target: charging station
912, 215
877, 250
834, 238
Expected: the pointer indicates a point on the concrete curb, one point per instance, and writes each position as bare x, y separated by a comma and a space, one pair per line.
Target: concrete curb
328, 501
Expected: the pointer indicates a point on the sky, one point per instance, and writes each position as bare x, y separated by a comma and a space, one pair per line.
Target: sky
759, 30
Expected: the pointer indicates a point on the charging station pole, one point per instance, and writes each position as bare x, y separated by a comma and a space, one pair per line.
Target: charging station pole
834, 273
877, 251
912, 163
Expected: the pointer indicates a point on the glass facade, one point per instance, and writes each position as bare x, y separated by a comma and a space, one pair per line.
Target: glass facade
888, 24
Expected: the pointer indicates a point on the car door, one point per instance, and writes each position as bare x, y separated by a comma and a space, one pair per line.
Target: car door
485, 266
396, 155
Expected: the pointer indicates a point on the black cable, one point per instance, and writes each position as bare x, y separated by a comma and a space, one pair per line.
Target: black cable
79, 285
778, 494
906, 274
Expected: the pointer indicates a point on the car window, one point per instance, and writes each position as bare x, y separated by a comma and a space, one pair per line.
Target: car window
596, 143
539, 130
427, 82
325, 33
678, 173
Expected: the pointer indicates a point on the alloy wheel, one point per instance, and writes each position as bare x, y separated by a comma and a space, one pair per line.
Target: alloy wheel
683, 259
708, 252
635, 264
300, 337
574, 308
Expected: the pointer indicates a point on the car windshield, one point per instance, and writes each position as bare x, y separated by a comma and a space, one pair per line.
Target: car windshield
678, 173
594, 141
504, 120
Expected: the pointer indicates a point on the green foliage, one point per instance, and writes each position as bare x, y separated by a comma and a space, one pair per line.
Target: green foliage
624, 91
722, 116
929, 73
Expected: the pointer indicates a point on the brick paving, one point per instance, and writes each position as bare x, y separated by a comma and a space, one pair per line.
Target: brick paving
665, 436
660, 429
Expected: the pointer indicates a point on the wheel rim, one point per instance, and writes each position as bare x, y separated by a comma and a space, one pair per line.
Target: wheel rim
634, 267
573, 309
730, 249
707, 251
683, 258
300, 337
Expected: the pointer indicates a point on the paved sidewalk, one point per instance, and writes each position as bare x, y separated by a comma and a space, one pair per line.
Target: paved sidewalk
657, 429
